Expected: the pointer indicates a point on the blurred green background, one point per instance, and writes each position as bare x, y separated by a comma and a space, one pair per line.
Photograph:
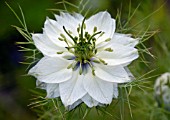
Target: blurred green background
15, 86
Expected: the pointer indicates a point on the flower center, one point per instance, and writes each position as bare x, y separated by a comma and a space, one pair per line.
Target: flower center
84, 47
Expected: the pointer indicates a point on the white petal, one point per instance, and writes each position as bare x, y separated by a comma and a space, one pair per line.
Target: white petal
70, 107
78, 16
41, 85
129, 73
115, 90
121, 55
89, 101
52, 90
116, 74
98, 89
72, 90
51, 70
124, 39
53, 30
46, 46
104, 23
69, 22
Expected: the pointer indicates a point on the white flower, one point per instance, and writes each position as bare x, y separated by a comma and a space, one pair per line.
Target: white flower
84, 59
162, 90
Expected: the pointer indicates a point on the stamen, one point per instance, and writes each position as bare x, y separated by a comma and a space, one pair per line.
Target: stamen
80, 70
60, 52
63, 36
102, 61
76, 38
68, 48
95, 29
70, 66
109, 49
95, 51
101, 35
86, 34
94, 39
69, 32
69, 57
84, 26
96, 61
108, 39
74, 65
61, 39
78, 29
86, 61
93, 70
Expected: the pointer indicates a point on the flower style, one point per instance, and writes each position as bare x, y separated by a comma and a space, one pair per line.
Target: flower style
84, 59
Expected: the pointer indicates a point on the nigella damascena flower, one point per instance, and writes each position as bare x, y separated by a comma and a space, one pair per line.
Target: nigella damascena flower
162, 90
84, 59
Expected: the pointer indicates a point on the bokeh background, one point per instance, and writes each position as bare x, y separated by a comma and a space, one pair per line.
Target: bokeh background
16, 86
